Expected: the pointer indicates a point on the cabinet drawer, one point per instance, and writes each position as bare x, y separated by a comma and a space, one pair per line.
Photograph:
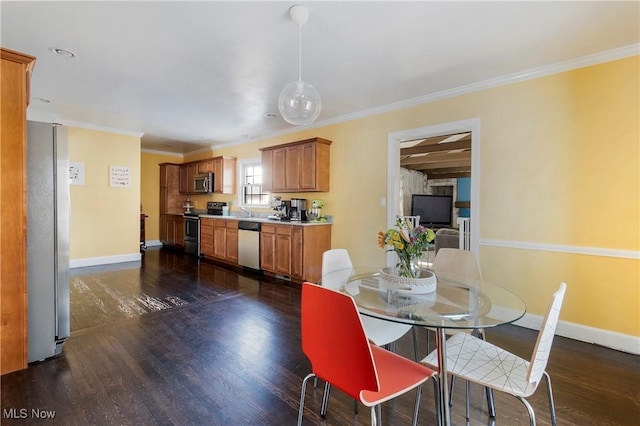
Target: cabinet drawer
268, 229
206, 232
283, 230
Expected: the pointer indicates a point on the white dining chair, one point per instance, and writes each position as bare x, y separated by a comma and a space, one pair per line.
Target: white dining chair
336, 268
413, 220
463, 265
476, 360
447, 238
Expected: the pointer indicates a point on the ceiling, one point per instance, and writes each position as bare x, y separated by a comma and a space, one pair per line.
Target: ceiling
440, 157
189, 75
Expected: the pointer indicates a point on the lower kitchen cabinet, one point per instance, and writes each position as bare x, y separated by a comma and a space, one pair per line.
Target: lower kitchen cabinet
219, 239
225, 240
172, 230
293, 250
206, 237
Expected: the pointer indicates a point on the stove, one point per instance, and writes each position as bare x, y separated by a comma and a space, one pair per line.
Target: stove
215, 207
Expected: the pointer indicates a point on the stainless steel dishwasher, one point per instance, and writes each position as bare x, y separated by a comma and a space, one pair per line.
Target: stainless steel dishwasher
249, 244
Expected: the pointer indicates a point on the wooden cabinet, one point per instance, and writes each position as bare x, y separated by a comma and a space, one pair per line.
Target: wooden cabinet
223, 168
206, 237
294, 251
301, 166
172, 230
170, 199
205, 166
225, 240
188, 172
219, 239
14, 89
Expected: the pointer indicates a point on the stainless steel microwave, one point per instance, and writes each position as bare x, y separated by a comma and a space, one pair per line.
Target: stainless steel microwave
203, 183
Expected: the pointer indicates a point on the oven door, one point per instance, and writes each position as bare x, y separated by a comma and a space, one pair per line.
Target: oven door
192, 236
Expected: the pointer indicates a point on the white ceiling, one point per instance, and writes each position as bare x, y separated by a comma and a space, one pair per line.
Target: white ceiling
187, 75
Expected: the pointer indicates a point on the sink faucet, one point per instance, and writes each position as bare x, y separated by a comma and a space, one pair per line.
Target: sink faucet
246, 211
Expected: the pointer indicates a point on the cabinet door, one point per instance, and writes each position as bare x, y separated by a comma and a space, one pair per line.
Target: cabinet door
192, 171
170, 229
178, 231
216, 166
219, 238
232, 241
206, 236
278, 172
292, 165
267, 169
268, 248
308, 166
205, 166
185, 183
296, 252
283, 250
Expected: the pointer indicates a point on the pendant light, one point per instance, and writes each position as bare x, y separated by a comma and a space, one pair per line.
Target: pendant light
299, 102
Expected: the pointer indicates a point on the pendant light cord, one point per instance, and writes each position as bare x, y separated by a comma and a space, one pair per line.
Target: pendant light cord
300, 52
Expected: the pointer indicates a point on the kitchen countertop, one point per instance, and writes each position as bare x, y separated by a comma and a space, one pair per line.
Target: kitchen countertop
265, 220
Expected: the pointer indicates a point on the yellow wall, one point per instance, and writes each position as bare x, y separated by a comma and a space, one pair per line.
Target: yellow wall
559, 166
150, 190
104, 220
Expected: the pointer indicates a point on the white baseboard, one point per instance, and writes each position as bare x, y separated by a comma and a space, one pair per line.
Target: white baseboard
104, 260
153, 243
583, 333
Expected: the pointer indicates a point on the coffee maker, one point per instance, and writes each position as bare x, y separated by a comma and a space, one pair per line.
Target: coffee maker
298, 210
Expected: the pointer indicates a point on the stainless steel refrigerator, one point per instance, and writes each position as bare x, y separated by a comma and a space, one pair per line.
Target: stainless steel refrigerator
47, 239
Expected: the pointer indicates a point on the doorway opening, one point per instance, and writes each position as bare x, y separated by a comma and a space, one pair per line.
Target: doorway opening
437, 134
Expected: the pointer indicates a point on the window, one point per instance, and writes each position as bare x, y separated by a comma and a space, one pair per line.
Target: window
251, 192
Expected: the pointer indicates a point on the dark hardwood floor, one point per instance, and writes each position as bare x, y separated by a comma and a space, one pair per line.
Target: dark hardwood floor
175, 341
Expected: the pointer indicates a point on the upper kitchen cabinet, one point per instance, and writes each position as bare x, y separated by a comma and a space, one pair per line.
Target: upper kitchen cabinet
15, 74
188, 172
223, 168
170, 200
301, 166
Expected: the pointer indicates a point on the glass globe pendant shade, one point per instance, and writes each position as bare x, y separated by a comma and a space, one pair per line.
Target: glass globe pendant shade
299, 103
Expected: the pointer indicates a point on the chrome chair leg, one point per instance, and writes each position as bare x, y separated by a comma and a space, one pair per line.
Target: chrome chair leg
417, 405
552, 405
415, 343
491, 403
325, 399
532, 415
467, 398
302, 394
451, 386
436, 393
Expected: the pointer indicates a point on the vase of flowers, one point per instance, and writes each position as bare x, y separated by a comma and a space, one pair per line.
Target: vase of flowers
408, 242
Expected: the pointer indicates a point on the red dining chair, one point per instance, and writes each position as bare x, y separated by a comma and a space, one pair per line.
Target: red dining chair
334, 341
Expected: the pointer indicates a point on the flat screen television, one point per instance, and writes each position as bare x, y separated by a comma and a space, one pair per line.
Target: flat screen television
434, 210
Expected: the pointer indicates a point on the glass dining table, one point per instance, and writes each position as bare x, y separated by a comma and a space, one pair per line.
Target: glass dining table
456, 304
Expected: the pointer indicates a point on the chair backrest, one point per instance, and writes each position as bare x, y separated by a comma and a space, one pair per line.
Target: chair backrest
413, 220
447, 238
542, 349
335, 260
459, 263
334, 341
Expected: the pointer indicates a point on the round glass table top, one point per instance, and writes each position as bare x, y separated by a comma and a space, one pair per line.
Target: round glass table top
457, 302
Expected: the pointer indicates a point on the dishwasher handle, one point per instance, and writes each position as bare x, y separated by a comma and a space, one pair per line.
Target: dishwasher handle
248, 225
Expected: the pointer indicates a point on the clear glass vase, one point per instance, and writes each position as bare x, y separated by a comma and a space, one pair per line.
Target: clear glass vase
408, 266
